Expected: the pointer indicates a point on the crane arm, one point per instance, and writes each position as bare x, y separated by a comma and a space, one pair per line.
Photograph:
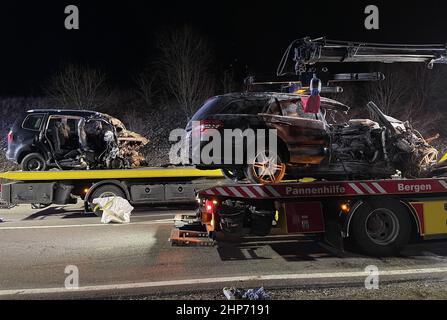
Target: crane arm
307, 51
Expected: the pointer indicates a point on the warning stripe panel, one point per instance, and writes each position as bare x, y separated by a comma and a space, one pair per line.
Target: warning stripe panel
356, 188
326, 189
242, 192
235, 192
378, 187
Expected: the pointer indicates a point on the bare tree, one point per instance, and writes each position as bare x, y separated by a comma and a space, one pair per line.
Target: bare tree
185, 63
134, 120
412, 93
78, 86
393, 92
145, 88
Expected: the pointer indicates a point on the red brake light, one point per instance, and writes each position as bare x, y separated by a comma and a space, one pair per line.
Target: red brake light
210, 124
210, 205
10, 137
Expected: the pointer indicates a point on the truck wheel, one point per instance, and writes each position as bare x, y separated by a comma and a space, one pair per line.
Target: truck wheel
33, 162
381, 228
267, 167
104, 191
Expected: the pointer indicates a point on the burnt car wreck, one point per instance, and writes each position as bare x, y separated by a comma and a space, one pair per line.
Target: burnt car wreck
379, 148
70, 139
308, 145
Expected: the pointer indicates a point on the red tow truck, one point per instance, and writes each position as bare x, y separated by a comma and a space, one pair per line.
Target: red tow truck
377, 216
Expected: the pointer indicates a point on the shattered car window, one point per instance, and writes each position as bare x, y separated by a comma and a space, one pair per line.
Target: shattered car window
33, 122
231, 105
245, 106
291, 108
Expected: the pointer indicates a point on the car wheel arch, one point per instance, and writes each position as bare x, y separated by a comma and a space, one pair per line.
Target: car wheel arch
283, 150
23, 152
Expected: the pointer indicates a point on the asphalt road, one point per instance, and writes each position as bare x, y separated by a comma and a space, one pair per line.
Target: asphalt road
137, 261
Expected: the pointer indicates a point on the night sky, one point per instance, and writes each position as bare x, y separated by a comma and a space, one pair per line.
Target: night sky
118, 37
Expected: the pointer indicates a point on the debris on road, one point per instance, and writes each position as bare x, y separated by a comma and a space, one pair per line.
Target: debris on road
2, 220
114, 209
250, 294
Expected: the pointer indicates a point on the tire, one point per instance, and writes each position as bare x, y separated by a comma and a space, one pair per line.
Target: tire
107, 190
381, 228
33, 162
233, 174
253, 171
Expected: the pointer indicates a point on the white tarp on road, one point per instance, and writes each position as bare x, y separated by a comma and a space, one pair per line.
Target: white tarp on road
114, 209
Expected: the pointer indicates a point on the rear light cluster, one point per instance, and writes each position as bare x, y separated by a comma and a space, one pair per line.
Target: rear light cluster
10, 137
210, 206
205, 125
210, 124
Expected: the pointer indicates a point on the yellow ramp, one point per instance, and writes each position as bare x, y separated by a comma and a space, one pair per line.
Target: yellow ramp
140, 173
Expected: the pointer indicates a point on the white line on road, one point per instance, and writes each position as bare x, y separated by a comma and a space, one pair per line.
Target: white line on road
143, 285
163, 221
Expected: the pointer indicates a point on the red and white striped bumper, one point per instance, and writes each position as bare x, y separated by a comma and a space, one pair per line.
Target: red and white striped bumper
330, 189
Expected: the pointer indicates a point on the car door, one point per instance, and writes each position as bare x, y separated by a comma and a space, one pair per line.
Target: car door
305, 135
62, 134
26, 133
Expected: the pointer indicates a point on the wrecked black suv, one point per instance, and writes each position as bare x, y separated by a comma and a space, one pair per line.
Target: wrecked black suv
71, 139
308, 145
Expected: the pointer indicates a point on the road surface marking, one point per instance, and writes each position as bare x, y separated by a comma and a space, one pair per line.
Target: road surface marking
163, 221
142, 285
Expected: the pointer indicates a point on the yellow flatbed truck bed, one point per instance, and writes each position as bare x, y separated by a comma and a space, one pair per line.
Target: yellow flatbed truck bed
140, 186
140, 173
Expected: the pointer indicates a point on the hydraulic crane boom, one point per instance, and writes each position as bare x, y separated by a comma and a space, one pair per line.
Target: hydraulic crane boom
307, 51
